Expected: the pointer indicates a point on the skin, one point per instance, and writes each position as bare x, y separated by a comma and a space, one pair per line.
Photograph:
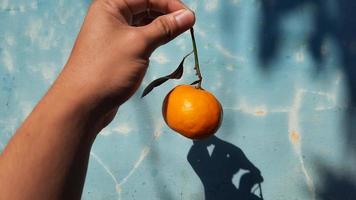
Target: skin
48, 155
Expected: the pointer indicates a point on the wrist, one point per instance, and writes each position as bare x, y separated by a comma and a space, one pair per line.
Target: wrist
81, 90
69, 101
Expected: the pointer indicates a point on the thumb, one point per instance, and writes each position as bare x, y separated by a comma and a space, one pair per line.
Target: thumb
166, 27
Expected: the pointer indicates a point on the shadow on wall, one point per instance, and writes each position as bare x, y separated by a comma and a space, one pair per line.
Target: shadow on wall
335, 19
216, 170
335, 185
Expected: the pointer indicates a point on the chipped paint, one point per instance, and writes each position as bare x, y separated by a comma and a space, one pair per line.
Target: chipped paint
160, 58
261, 112
8, 61
211, 5
244, 107
299, 56
295, 137
144, 152
228, 54
107, 170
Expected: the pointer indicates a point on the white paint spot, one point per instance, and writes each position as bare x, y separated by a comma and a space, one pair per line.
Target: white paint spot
2, 146
10, 40
230, 67
4, 4
143, 155
213, 26
13, 10
144, 84
308, 178
9, 125
145, 151
193, 5
105, 132
36, 35
66, 50
123, 129
244, 107
34, 5
160, 58
48, 71
49, 40
22, 8
293, 119
26, 108
158, 129
8, 61
235, 2
211, 5
325, 108
218, 83
34, 29
299, 56
181, 43
64, 15
225, 52
331, 96
280, 110
107, 170
200, 32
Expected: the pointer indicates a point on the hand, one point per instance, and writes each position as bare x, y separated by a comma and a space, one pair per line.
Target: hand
110, 56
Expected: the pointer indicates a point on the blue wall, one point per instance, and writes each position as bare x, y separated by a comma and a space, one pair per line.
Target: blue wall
283, 71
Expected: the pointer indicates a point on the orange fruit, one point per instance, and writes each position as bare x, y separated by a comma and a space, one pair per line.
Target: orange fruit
193, 112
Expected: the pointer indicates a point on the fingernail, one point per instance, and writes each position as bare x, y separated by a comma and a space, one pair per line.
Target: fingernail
184, 18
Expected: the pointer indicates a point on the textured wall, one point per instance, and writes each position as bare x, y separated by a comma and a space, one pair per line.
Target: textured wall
283, 71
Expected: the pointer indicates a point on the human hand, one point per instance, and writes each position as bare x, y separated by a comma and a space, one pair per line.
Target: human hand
111, 55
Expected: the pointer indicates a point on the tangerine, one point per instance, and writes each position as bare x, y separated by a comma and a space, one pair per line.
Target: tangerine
193, 112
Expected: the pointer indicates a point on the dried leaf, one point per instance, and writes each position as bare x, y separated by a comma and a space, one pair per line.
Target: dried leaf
177, 74
154, 84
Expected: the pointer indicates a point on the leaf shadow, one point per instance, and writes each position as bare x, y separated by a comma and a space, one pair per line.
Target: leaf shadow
332, 19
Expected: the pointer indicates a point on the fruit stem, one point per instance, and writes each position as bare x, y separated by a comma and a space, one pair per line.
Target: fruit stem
196, 59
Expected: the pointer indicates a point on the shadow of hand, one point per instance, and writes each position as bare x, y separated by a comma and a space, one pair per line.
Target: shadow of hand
216, 162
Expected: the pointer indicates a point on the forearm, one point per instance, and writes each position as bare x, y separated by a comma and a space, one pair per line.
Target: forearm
43, 149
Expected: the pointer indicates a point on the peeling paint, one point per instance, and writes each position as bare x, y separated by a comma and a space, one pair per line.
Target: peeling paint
295, 137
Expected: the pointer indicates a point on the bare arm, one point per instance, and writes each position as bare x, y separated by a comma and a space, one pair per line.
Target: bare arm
49, 152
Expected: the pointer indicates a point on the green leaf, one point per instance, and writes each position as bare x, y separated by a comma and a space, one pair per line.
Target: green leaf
177, 74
